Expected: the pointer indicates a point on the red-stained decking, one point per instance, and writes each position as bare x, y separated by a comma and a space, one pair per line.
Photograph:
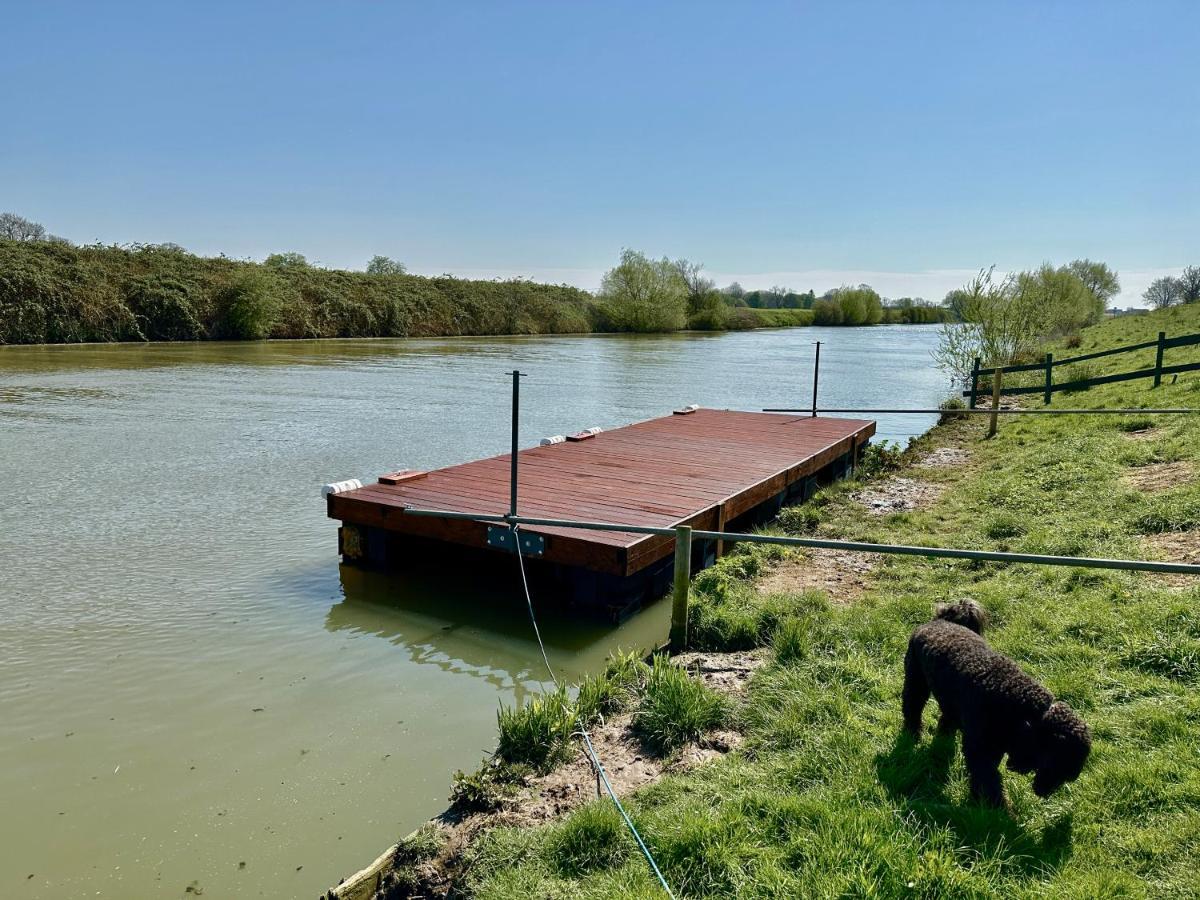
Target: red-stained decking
703, 469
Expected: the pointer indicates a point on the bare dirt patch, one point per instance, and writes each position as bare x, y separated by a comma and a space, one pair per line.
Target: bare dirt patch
546, 798
1143, 434
898, 495
944, 458
844, 576
1159, 476
1175, 546
728, 673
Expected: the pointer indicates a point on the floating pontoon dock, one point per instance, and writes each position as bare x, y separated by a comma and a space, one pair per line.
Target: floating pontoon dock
710, 469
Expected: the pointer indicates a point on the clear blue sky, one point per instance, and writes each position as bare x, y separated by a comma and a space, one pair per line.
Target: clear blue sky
801, 142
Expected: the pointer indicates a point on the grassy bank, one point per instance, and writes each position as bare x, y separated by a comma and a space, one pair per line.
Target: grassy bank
824, 798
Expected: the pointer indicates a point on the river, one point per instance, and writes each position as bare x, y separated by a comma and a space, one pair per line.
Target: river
193, 693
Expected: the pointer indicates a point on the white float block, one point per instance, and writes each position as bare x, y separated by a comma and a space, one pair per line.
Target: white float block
338, 487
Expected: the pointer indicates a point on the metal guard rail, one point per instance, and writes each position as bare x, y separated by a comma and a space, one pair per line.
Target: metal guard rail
1132, 565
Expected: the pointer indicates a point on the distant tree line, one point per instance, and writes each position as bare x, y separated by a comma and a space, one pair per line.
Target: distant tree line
645, 294
1168, 291
54, 292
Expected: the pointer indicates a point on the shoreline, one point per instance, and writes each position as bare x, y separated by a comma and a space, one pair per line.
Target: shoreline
390, 874
689, 332
832, 627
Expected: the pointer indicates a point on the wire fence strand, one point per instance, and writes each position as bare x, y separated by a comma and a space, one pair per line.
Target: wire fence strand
591, 751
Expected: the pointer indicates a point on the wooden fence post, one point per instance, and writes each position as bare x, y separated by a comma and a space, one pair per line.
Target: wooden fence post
683, 578
1049, 378
1158, 360
974, 381
995, 416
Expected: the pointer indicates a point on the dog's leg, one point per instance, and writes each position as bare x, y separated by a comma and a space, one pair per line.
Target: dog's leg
948, 723
983, 767
915, 694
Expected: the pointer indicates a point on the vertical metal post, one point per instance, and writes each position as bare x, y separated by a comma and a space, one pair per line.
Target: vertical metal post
516, 416
816, 375
1049, 378
683, 578
1158, 360
995, 416
974, 381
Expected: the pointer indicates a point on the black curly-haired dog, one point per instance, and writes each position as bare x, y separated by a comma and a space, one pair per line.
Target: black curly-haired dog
997, 706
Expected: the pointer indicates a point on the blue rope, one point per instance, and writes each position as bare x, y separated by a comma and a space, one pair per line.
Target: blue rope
583, 731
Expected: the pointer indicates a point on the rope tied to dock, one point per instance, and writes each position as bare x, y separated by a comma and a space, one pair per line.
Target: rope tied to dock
583, 732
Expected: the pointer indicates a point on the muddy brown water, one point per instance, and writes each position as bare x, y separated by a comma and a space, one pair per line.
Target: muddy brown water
193, 693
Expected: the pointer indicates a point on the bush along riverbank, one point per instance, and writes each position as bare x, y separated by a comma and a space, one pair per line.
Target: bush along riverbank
54, 292
769, 760
57, 293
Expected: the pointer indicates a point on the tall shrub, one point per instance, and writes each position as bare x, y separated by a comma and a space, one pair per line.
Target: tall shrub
163, 308
643, 294
1067, 303
827, 312
999, 325
249, 306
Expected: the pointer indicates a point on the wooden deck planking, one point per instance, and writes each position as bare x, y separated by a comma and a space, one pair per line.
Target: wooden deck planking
702, 469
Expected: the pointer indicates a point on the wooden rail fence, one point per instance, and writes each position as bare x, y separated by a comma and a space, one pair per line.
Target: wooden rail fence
1049, 387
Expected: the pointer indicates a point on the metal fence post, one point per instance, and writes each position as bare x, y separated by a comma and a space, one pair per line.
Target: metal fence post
995, 417
516, 416
1049, 378
1158, 359
683, 578
974, 381
816, 374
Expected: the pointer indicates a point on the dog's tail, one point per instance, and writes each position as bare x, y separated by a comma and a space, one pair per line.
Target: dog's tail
966, 613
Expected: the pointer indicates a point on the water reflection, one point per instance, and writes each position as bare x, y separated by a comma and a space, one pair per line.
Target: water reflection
476, 623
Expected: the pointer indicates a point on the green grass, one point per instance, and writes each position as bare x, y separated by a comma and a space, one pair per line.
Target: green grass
826, 798
592, 838
612, 690
536, 733
676, 708
422, 844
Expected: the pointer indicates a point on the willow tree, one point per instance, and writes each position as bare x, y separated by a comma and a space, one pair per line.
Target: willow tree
1006, 322
643, 294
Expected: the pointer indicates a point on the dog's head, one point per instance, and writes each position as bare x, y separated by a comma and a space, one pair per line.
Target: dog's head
966, 613
1055, 749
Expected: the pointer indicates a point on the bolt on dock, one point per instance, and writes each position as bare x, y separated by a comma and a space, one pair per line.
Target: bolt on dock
709, 469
